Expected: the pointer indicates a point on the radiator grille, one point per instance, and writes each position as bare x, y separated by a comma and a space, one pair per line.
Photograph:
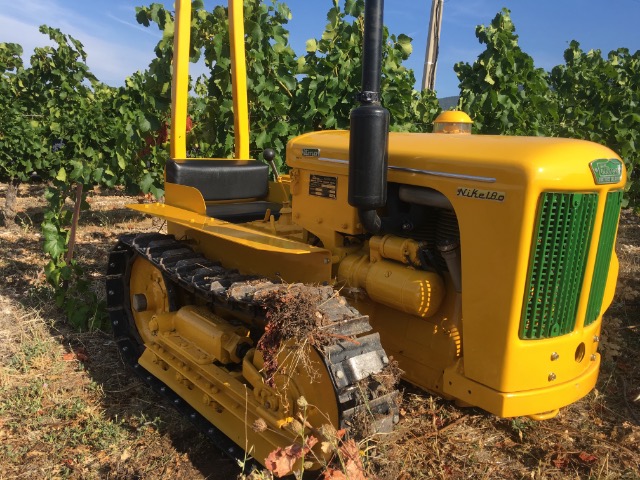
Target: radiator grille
557, 265
603, 257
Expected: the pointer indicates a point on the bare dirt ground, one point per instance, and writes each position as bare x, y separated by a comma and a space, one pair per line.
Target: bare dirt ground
69, 408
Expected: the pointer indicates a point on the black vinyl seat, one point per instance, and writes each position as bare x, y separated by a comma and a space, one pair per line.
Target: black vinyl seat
246, 181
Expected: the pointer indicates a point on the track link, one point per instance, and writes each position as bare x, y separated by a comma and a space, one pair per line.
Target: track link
353, 360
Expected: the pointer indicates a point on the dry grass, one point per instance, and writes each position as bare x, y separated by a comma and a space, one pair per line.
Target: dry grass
69, 409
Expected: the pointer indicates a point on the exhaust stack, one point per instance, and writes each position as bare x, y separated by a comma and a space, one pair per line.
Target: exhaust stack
369, 134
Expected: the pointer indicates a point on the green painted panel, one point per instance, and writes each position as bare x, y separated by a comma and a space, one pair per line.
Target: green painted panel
603, 257
557, 264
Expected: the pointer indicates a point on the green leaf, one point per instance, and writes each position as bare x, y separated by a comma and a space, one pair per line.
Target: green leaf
635, 117
260, 139
405, 43
301, 64
78, 170
121, 162
311, 45
97, 174
54, 241
353, 7
144, 125
488, 79
52, 273
146, 183
62, 175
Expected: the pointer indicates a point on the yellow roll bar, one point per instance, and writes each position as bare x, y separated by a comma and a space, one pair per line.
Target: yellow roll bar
180, 80
239, 78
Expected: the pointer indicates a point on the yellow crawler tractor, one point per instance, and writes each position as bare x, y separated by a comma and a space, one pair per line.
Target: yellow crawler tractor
481, 264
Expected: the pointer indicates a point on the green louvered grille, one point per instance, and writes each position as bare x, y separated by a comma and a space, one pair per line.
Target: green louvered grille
603, 257
557, 265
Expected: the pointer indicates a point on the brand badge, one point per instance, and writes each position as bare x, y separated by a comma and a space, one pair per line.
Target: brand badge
606, 170
310, 152
481, 194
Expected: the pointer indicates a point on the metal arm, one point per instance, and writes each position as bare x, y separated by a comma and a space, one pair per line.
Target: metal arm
180, 81
239, 78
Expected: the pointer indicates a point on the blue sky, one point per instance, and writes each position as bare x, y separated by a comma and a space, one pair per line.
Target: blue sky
117, 46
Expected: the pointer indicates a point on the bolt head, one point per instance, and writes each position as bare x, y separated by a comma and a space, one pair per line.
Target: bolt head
593, 357
552, 377
555, 356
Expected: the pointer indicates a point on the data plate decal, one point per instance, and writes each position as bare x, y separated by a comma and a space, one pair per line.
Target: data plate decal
323, 186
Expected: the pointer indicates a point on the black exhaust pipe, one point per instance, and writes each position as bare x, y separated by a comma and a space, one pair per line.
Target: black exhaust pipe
369, 134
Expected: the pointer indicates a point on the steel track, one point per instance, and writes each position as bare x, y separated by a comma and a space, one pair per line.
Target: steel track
352, 363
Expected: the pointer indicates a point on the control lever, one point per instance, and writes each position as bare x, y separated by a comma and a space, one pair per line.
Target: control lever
269, 155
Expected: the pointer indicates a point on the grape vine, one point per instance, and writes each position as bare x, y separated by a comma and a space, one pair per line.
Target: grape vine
58, 120
589, 97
